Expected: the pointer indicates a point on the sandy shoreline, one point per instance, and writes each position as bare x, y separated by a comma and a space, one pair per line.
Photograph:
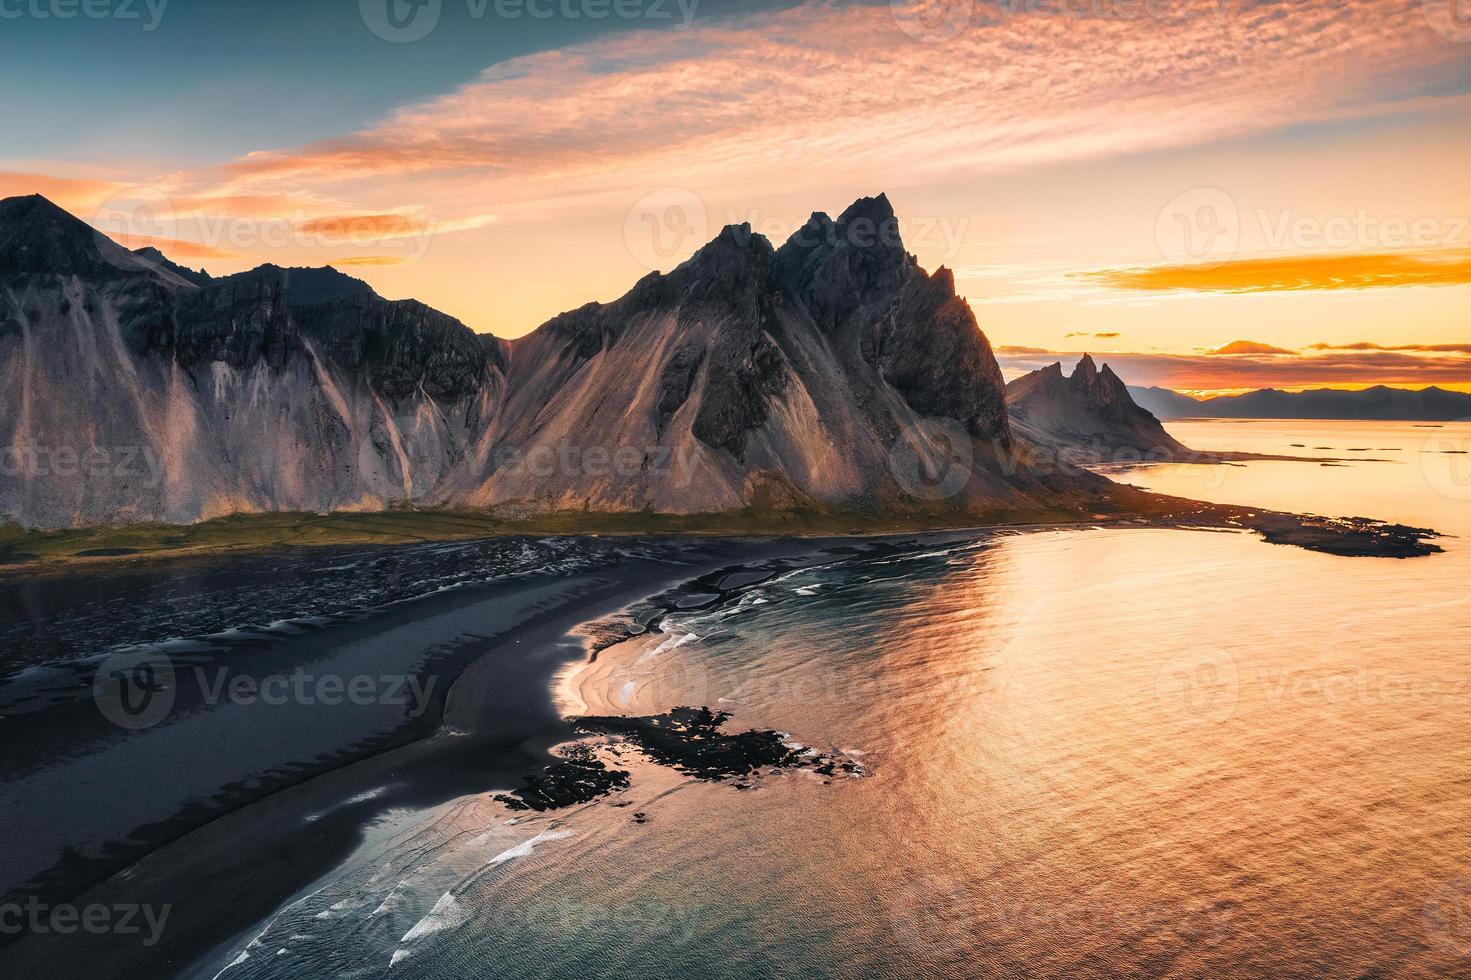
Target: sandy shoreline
498, 719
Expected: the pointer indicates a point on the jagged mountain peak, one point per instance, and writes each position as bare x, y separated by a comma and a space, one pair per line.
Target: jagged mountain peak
39, 238
1087, 370
767, 373
876, 209
198, 277
737, 239
833, 268
303, 285
1090, 412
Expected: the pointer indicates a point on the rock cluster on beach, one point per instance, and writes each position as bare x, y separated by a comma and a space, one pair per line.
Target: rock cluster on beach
688, 739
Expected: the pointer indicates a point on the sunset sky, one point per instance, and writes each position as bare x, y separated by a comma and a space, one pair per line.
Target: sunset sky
1211, 195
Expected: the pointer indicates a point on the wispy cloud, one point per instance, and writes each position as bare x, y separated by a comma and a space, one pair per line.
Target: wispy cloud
1422, 348
1300, 272
733, 101
371, 260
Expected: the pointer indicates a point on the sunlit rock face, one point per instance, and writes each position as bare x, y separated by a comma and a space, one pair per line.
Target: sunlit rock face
135, 389
133, 393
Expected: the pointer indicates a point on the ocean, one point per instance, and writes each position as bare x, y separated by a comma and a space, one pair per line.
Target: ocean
1078, 753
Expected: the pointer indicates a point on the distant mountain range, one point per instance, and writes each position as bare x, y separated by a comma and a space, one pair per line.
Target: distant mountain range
1378, 403
829, 370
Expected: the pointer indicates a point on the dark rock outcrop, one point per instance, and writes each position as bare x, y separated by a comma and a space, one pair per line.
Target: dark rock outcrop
1088, 414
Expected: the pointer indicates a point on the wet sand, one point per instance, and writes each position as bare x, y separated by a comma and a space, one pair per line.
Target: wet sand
221, 874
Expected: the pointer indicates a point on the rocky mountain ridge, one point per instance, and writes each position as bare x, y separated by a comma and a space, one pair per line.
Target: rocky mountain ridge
831, 370
1089, 414
1378, 403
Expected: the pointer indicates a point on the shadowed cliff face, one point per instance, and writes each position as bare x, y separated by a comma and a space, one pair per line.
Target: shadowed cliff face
1090, 413
748, 374
871, 298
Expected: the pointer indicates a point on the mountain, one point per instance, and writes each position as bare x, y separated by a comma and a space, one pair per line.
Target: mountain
1376, 404
197, 276
1163, 403
1089, 413
830, 371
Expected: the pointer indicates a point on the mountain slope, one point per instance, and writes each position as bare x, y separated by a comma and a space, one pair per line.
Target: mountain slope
831, 370
133, 394
1089, 413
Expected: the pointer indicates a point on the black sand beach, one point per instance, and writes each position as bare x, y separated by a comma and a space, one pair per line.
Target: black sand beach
488, 655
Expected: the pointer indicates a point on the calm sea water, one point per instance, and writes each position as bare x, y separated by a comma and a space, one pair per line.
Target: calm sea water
1088, 754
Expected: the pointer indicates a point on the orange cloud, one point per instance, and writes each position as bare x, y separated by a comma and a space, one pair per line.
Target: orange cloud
1249, 347
1003, 92
1422, 348
1295, 273
174, 248
362, 227
370, 260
